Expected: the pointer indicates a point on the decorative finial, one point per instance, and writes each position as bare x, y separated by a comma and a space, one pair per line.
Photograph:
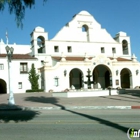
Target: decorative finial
63, 57
134, 58
7, 41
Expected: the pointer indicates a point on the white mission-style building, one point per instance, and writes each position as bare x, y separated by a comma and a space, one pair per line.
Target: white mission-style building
63, 61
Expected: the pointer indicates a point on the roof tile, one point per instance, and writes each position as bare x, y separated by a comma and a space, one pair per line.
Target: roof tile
19, 56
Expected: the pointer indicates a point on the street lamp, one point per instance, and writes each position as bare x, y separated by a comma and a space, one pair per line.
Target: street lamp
65, 72
10, 51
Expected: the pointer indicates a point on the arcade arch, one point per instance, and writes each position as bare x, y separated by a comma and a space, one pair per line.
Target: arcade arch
102, 77
76, 78
3, 88
126, 78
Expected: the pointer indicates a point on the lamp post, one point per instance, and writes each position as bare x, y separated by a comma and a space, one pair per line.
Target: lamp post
10, 51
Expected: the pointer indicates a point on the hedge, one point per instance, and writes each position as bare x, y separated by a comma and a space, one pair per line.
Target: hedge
35, 90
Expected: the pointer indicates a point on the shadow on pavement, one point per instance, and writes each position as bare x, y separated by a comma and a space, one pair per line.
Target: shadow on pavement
129, 97
127, 100
16, 114
54, 101
42, 99
134, 94
101, 121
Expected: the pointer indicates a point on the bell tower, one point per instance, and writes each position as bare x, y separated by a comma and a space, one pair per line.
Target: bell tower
124, 40
38, 41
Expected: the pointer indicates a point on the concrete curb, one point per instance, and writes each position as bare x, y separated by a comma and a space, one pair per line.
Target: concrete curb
135, 107
68, 108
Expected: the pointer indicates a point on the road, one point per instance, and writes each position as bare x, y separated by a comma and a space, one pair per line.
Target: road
68, 124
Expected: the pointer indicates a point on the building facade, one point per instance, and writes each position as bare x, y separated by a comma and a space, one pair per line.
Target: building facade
63, 61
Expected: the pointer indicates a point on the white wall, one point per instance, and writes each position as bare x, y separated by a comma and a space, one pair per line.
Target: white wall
21, 77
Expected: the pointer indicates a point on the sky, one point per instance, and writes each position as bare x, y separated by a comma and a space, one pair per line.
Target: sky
113, 15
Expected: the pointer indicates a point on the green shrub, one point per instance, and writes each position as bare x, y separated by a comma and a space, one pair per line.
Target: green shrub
33, 78
35, 90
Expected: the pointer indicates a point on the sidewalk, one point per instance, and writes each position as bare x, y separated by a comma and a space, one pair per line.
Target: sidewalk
45, 101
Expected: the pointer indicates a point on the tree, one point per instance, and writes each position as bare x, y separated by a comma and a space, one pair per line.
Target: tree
33, 78
18, 8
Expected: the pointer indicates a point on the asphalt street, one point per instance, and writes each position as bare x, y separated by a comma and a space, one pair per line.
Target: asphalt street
68, 124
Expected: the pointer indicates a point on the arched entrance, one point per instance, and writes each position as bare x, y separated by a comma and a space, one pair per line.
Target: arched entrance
126, 78
76, 78
107, 79
2, 87
102, 77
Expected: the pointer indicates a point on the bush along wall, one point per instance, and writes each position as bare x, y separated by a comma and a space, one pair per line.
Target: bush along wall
35, 90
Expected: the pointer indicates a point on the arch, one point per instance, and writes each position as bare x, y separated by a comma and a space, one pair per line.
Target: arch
95, 77
3, 87
125, 47
41, 44
85, 29
107, 78
126, 78
102, 76
76, 78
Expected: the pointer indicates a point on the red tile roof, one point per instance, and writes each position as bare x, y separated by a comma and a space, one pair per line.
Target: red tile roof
70, 58
19, 56
82, 58
2, 55
75, 58
121, 59
27, 56
57, 58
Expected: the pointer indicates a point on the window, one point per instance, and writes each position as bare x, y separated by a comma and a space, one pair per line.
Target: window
19, 85
56, 49
1, 67
69, 49
23, 68
113, 50
84, 28
41, 44
125, 47
102, 50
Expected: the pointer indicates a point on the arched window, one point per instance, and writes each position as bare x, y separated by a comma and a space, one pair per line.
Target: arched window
41, 44
85, 29
125, 47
